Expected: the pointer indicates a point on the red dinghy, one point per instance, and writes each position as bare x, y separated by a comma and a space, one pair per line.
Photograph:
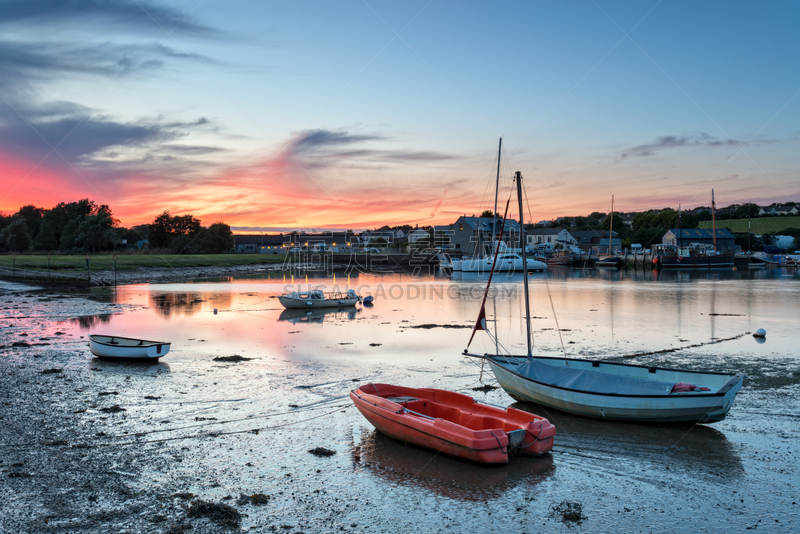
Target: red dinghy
453, 423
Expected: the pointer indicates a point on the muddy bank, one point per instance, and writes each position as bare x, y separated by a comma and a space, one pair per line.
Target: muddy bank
148, 274
269, 442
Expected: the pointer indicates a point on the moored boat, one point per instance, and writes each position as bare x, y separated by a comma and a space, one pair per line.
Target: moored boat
506, 262
616, 391
453, 423
609, 261
692, 257
127, 348
318, 299
609, 390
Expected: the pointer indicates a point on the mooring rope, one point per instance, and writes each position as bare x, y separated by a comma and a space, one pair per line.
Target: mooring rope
676, 349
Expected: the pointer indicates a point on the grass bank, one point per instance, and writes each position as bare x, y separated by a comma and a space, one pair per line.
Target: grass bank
129, 262
760, 225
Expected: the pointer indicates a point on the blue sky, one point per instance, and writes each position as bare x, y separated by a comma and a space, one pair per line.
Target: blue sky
354, 114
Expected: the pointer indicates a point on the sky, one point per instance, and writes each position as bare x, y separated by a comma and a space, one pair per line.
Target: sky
280, 116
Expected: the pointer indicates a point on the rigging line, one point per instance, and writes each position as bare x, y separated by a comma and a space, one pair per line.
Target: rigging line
555, 317
254, 418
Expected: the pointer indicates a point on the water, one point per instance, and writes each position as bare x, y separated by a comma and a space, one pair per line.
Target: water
727, 476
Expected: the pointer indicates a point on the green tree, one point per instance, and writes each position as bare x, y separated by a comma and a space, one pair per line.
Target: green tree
183, 244
216, 239
97, 232
488, 213
65, 218
618, 223
15, 236
32, 217
46, 239
165, 228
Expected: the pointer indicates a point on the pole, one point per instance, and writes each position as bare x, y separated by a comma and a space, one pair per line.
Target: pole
115, 271
518, 176
88, 273
611, 225
713, 221
496, 191
48, 266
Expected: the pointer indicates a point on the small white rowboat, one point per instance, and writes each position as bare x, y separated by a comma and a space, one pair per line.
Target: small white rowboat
127, 348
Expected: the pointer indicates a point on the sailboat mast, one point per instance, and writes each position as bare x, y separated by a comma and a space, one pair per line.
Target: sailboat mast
496, 191
611, 225
713, 221
518, 177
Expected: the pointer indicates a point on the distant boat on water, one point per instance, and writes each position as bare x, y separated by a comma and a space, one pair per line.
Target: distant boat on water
318, 299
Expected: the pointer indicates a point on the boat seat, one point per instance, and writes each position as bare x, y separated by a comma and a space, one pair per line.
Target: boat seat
401, 400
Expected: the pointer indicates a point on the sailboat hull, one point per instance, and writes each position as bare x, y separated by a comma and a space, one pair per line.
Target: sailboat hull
723, 259
507, 263
685, 407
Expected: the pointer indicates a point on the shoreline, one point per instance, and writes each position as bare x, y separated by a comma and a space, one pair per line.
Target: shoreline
143, 275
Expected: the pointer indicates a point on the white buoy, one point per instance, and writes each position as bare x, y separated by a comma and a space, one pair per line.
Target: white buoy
215, 311
760, 333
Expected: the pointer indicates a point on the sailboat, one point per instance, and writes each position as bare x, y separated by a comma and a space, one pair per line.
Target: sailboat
508, 261
609, 260
695, 254
606, 390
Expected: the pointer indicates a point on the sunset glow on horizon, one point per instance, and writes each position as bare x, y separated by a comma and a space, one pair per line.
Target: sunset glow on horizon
352, 115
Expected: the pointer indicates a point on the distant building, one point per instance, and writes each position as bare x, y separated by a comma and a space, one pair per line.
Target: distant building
473, 235
552, 236
779, 210
687, 236
260, 243
596, 241
418, 234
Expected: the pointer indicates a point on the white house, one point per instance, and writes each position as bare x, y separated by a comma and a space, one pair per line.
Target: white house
553, 236
418, 234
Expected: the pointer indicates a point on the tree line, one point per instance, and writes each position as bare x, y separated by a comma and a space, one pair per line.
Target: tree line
85, 226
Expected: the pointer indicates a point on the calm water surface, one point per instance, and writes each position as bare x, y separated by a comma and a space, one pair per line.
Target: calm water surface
723, 477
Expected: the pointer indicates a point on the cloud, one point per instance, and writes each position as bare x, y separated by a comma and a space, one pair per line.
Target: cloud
327, 148
133, 14
673, 141
24, 65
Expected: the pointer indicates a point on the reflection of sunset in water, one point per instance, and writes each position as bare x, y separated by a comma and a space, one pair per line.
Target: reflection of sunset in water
600, 315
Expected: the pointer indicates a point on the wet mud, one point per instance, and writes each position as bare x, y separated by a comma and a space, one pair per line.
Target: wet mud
271, 443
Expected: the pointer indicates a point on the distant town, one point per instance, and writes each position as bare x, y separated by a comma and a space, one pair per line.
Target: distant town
85, 226
594, 234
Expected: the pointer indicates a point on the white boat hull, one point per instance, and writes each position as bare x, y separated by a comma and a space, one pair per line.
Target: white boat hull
126, 348
484, 265
296, 303
702, 407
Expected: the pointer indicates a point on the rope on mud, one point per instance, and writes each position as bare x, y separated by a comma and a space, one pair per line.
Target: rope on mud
217, 434
145, 433
252, 418
676, 349
176, 438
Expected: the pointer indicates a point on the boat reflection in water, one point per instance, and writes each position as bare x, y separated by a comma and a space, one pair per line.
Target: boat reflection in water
451, 477
318, 315
667, 451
